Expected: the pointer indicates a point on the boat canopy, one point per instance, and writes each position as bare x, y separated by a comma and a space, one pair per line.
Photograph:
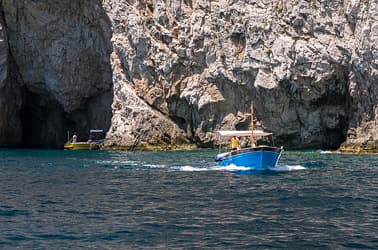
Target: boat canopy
96, 131
256, 133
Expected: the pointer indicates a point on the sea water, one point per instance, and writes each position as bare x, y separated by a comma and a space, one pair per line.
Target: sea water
55, 199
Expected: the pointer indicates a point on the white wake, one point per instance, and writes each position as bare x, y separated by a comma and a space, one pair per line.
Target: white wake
192, 169
232, 167
214, 168
287, 168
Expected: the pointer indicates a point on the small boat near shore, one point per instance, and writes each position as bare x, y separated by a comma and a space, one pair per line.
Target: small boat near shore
254, 157
83, 145
92, 143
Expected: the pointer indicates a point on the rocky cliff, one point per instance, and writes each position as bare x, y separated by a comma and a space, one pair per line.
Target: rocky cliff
10, 99
61, 50
168, 73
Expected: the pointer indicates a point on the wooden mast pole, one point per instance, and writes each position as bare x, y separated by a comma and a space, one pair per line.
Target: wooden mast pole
252, 128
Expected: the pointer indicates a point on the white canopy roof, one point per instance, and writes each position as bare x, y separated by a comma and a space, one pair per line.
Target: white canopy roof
96, 130
256, 133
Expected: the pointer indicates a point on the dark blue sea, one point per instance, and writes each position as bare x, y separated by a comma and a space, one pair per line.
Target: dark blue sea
56, 199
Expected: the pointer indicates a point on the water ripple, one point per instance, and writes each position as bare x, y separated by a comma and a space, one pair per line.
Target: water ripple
181, 200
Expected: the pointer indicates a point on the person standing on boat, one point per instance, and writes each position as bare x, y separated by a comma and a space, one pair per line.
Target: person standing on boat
235, 143
90, 139
74, 138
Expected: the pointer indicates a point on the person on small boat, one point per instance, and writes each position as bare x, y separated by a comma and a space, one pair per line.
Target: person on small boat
235, 143
74, 138
90, 138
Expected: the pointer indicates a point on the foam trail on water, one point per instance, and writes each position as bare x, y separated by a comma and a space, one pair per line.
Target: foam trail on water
328, 152
155, 166
214, 168
118, 162
232, 167
286, 168
192, 169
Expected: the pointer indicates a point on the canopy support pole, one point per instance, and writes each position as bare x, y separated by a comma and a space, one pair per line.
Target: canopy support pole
252, 138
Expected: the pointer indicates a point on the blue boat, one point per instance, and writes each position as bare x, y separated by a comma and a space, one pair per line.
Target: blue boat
254, 157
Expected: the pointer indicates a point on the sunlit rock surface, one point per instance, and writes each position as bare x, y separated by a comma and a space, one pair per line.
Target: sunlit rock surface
176, 71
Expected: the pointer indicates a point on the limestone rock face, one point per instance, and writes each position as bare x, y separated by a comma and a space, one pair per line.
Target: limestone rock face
62, 52
10, 99
309, 66
176, 71
134, 124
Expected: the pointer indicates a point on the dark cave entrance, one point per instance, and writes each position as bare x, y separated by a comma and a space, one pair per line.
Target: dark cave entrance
42, 121
45, 124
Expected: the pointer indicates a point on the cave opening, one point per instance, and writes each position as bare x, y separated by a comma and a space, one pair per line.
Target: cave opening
72, 62
42, 121
45, 124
